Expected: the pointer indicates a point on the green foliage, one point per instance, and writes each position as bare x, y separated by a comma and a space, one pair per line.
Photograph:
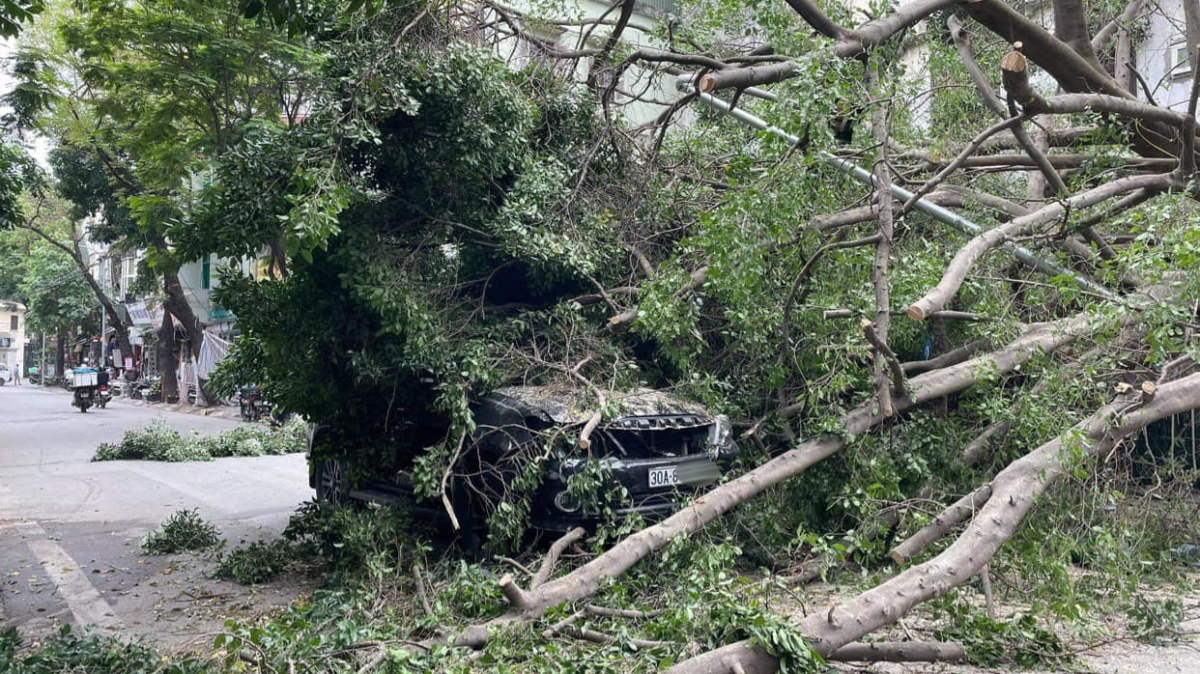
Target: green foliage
372, 542
16, 173
332, 630
14, 13
182, 532
254, 563
450, 171
1155, 621
1019, 641
58, 298
67, 651
157, 441
472, 593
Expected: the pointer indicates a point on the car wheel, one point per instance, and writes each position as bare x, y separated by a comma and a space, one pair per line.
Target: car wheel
331, 482
472, 531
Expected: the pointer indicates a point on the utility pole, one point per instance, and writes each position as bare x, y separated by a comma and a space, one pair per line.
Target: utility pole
106, 277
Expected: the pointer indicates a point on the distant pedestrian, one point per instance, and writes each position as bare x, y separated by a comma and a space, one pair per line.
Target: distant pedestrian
17, 375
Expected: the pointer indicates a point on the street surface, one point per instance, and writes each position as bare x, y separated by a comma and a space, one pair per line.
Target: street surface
69, 528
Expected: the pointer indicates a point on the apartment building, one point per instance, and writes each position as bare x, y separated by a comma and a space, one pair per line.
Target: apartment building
12, 334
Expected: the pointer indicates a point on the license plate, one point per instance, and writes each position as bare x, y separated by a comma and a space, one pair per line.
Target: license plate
663, 477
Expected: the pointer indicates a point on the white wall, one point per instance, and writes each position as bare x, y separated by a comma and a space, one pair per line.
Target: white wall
12, 354
653, 93
1169, 85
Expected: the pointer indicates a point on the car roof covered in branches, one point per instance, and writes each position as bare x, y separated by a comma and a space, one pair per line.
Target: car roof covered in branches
569, 405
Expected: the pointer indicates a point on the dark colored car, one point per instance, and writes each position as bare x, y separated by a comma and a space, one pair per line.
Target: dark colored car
658, 448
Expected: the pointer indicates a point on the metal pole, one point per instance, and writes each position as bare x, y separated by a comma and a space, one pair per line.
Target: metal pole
42, 367
939, 213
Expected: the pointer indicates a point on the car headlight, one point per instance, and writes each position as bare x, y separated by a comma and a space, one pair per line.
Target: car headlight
720, 434
310, 431
565, 502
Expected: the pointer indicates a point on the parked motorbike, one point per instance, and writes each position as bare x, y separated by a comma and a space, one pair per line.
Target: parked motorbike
251, 403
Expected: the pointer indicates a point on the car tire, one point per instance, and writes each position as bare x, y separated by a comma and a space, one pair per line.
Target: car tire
331, 484
472, 531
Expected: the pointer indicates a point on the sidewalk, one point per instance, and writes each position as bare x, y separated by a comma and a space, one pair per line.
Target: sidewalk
219, 411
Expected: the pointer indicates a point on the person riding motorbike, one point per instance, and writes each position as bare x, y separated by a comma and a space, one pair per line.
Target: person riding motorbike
85, 384
103, 395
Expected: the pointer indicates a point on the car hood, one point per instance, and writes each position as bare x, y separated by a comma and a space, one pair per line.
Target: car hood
571, 406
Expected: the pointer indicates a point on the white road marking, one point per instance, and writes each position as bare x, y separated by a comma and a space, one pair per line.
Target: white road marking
84, 600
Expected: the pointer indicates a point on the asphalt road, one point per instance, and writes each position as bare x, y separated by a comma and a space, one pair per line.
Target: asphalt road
69, 528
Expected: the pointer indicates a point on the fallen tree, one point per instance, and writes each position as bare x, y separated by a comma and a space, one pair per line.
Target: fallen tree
529, 604
598, 257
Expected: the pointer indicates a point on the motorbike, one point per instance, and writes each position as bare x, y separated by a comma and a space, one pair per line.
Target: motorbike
251, 403
90, 388
103, 395
85, 397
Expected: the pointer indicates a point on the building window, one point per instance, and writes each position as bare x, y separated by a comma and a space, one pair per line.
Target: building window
206, 273
128, 276
1178, 65
16, 322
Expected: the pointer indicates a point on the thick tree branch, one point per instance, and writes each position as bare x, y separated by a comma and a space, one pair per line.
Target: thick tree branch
887, 355
874, 33
956, 271
741, 78
1070, 25
1072, 71
963, 155
815, 17
900, 651
1013, 493
878, 331
954, 514
1124, 19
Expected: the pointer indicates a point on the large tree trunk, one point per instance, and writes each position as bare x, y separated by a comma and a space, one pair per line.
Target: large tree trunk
165, 354
176, 302
1013, 493
120, 328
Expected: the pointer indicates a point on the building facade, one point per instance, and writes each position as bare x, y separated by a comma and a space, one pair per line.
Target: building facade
12, 335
